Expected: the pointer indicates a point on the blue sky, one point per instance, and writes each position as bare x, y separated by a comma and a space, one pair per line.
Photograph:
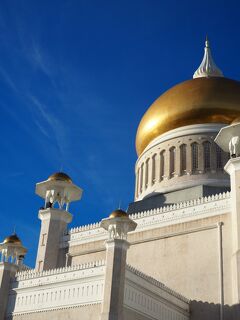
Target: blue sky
76, 78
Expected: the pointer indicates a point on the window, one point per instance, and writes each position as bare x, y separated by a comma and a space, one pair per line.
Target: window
162, 164
43, 239
194, 148
146, 172
141, 178
219, 157
183, 158
172, 152
153, 168
207, 155
137, 182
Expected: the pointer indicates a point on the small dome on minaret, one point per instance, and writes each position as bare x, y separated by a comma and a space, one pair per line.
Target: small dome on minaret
14, 239
60, 176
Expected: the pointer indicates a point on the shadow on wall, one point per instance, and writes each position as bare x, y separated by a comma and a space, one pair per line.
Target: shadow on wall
209, 311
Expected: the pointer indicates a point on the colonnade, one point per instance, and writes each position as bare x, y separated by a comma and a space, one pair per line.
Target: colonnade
178, 160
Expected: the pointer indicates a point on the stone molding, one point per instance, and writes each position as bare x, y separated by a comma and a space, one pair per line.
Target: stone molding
9, 316
168, 215
55, 214
184, 131
149, 297
232, 165
55, 289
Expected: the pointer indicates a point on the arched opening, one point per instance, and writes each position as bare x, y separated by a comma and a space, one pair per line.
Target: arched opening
146, 173
194, 149
162, 164
207, 155
154, 168
219, 157
141, 177
172, 158
183, 158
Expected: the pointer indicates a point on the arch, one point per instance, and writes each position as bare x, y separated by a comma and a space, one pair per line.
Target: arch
207, 155
146, 172
183, 158
141, 177
162, 164
194, 154
172, 160
154, 168
137, 181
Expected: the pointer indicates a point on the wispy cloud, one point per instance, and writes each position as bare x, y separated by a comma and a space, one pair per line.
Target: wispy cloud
7, 79
49, 124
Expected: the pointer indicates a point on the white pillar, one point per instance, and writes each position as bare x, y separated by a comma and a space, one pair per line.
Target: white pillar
53, 224
7, 272
233, 168
116, 253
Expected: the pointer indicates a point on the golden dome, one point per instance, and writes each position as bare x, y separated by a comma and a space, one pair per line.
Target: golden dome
60, 176
196, 101
118, 214
12, 239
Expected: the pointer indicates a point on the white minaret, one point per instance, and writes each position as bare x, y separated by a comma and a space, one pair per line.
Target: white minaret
118, 225
207, 68
229, 140
12, 254
58, 191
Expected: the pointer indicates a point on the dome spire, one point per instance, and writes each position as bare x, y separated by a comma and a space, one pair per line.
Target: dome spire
207, 67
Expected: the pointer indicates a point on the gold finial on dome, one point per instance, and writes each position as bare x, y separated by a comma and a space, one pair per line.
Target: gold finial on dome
60, 176
207, 68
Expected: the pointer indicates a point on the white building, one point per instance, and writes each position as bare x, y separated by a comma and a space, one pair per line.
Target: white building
175, 254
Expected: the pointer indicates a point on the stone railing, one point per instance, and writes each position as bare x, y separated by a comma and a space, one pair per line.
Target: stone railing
170, 214
147, 295
55, 289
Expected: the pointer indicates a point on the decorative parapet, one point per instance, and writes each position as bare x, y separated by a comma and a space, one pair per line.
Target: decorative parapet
148, 296
155, 218
33, 273
55, 289
181, 205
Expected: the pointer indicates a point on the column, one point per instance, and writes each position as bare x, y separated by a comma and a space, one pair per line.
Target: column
233, 168
116, 254
53, 223
7, 272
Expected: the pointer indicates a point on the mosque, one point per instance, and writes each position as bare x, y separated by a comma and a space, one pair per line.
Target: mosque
175, 253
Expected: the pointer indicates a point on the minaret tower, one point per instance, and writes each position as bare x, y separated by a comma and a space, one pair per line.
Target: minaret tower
229, 140
12, 253
118, 224
57, 191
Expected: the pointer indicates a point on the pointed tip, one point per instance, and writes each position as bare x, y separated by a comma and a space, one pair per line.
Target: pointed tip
207, 43
207, 67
